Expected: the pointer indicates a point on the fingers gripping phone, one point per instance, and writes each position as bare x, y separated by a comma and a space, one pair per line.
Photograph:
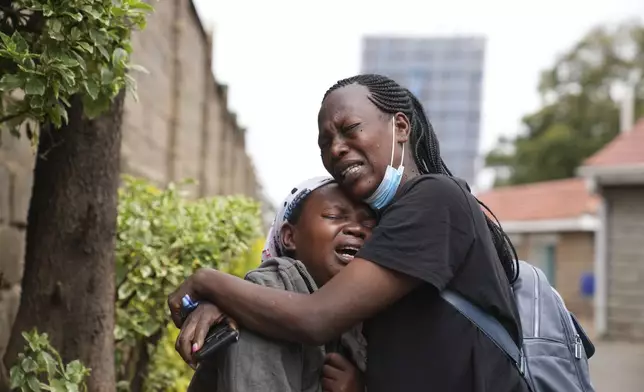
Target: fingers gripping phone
220, 336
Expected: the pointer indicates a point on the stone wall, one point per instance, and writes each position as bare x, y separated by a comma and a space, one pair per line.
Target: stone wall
16, 166
180, 128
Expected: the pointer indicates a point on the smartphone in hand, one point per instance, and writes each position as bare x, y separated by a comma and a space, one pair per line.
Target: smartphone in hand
220, 336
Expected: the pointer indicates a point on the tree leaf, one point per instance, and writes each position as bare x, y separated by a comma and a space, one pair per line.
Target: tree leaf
29, 365
107, 76
141, 6
55, 26
63, 112
19, 40
80, 60
119, 56
71, 387
138, 68
17, 377
92, 88
75, 371
125, 290
86, 47
6, 40
56, 36
75, 34
32, 382
47, 362
103, 51
29, 64
10, 82
55, 115
57, 385
118, 11
35, 86
92, 12
77, 16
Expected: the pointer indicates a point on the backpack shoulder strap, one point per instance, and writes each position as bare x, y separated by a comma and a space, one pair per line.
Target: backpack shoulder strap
488, 325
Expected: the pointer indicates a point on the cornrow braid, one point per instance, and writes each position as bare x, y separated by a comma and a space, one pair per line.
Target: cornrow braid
391, 98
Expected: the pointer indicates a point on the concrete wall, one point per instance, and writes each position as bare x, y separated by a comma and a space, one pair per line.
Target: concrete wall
180, 128
16, 166
574, 256
625, 229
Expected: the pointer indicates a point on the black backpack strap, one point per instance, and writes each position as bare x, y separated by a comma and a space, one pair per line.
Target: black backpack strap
487, 324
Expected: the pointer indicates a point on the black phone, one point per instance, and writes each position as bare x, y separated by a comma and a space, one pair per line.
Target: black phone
220, 336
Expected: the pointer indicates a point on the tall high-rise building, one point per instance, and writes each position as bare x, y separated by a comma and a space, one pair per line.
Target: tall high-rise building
446, 74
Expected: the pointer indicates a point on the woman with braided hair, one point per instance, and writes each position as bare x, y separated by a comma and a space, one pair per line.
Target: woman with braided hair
432, 234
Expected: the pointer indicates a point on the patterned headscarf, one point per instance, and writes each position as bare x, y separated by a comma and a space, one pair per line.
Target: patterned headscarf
274, 246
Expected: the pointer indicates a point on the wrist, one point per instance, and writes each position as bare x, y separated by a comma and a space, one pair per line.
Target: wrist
204, 278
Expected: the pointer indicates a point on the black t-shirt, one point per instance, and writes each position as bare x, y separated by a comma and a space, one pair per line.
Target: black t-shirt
435, 231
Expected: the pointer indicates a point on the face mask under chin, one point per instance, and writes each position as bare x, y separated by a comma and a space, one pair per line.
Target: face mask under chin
384, 194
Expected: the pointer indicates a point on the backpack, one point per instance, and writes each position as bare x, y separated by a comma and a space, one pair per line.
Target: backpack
555, 352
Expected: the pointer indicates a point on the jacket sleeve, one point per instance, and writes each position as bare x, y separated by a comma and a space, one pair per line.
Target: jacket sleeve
254, 363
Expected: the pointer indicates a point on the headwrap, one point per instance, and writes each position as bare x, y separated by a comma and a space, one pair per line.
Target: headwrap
274, 246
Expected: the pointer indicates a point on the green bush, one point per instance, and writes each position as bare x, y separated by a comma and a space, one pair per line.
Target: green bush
57, 49
162, 238
39, 367
168, 369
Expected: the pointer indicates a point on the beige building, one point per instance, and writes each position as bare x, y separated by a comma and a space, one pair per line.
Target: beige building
552, 225
617, 173
180, 128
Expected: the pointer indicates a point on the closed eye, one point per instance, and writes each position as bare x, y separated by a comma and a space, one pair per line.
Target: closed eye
328, 216
349, 128
369, 224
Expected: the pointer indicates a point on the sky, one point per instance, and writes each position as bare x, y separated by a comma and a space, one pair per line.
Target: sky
279, 57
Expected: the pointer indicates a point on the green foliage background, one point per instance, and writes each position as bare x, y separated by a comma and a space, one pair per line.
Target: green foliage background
581, 108
57, 49
168, 369
40, 367
162, 238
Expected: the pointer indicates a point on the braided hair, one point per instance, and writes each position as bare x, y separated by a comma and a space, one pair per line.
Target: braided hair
391, 98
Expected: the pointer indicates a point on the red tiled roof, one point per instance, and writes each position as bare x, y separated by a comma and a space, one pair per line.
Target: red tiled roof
626, 149
560, 199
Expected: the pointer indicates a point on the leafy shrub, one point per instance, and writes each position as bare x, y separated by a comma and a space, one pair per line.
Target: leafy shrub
168, 368
61, 48
162, 238
40, 367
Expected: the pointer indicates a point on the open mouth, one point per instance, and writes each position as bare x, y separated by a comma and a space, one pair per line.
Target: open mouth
350, 171
346, 253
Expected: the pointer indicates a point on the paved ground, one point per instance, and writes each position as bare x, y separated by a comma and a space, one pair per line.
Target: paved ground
618, 367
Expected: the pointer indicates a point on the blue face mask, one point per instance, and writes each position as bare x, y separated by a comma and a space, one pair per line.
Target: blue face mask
386, 191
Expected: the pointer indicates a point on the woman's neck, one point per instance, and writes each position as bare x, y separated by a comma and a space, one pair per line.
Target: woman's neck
411, 170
